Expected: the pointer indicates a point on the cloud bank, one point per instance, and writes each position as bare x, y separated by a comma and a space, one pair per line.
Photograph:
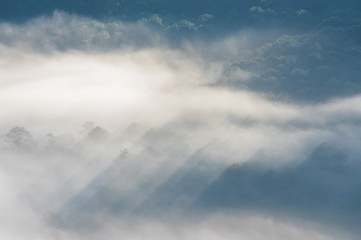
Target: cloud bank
168, 123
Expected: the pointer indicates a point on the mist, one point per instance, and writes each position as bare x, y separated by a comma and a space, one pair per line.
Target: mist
107, 130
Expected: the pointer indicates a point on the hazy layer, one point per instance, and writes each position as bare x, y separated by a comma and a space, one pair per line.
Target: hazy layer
160, 103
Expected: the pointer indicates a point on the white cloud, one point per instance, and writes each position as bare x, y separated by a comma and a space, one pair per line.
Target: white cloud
63, 31
206, 17
301, 12
59, 72
256, 9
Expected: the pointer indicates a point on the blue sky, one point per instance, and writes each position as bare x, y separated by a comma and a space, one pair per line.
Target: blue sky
180, 119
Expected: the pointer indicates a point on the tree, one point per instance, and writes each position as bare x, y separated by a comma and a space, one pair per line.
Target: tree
20, 137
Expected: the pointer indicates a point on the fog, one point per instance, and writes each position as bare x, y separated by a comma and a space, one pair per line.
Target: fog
93, 128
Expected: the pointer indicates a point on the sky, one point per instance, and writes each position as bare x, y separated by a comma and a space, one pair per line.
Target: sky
180, 119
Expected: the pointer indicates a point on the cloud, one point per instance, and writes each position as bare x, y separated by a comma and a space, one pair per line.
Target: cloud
63, 31
153, 19
300, 66
301, 12
206, 17
161, 117
256, 9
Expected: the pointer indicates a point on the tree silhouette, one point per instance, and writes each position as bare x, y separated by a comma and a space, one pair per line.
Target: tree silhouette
20, 137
